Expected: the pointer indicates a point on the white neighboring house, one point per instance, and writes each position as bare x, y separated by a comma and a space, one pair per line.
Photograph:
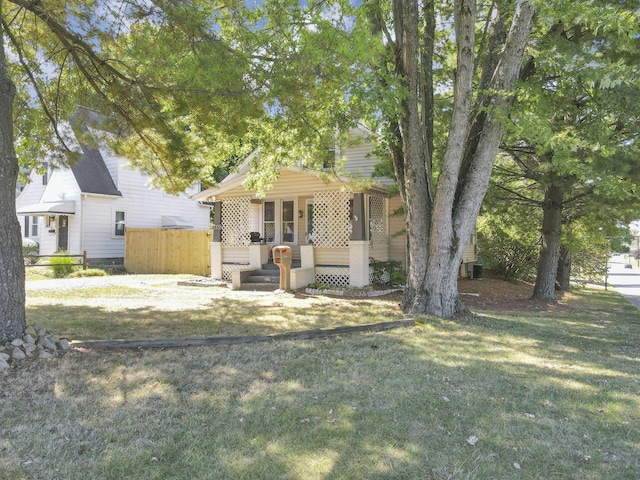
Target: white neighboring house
86, 207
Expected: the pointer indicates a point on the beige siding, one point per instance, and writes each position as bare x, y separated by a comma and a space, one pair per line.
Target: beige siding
357, 162
397, 243
379, 253
469, 254
235, 255
331, 256
289, 184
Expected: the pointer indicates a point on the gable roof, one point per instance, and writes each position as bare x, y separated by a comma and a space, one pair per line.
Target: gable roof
92, 174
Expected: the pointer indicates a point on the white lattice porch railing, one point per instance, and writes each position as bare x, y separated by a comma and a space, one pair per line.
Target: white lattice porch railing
331, 219
379, 230
235, 221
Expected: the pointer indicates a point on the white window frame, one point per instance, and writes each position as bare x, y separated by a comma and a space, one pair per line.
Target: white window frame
114, 214
278, 220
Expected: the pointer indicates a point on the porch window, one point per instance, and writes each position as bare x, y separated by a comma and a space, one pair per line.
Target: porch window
288, 222
119, 226
269, 223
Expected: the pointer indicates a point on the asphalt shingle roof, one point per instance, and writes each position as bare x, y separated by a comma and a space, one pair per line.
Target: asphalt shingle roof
92, 174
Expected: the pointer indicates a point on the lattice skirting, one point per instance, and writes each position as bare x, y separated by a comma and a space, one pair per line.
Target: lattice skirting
227, 268
384, 279
334, 276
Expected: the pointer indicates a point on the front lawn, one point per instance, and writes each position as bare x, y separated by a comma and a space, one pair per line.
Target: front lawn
504, 395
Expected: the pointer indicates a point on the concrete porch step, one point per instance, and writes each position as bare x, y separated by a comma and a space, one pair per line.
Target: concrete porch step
260, 287
263, 279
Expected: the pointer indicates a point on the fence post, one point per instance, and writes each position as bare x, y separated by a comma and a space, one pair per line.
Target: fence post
84, 260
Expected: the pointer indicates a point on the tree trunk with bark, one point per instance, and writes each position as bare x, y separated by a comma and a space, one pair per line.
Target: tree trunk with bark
563, 276
440, 219
545, 287
12, 291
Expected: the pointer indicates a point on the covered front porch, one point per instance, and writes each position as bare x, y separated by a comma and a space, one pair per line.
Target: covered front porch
332, 234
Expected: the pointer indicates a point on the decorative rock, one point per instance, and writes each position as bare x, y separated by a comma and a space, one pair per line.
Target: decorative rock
47, 344
29, 348
18, 354
45, 355
30, 331
35, 341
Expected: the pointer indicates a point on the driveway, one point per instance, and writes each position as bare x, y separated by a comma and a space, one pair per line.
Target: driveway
625, 281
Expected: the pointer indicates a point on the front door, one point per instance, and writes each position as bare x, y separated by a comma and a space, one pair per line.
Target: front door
279, 222
63, 232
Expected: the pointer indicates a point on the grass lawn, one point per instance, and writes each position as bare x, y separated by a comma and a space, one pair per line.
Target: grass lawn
505, 395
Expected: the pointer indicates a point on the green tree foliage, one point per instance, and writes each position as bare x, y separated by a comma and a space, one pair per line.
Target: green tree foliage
174, 94
572, 138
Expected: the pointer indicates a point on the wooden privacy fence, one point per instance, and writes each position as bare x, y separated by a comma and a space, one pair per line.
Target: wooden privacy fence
150, 250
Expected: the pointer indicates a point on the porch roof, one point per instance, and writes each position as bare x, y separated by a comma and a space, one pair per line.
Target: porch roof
238, 178
48, 208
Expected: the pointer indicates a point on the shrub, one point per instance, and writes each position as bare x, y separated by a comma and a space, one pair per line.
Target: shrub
30, 247
62, 266
90, 272
385, 273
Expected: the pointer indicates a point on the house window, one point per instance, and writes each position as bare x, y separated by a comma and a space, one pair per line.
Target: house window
119, 230
288, 222
45, 175
269, 223
30, 227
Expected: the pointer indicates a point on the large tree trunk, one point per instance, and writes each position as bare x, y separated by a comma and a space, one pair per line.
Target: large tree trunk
438, 231
12, 313
545, 287
563, 276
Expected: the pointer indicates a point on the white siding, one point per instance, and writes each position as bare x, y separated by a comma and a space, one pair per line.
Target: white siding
92, 228
99, 239
61, 186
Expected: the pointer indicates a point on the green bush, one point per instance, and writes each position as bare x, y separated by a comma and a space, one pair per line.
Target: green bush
30, 247
62, 266
385, 273
89, 272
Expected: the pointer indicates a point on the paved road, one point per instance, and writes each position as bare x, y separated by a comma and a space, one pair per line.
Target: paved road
626, 281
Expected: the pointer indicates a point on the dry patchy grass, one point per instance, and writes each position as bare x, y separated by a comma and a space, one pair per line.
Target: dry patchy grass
508, 395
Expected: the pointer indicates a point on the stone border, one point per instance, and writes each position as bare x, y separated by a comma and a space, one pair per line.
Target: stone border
351, 292
35, 342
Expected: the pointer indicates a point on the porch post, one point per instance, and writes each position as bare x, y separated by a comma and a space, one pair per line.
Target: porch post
216, 245
359, 244
216, 260
217, 222
359, 230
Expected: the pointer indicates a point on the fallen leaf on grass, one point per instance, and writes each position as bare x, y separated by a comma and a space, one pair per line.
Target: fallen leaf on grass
472, 440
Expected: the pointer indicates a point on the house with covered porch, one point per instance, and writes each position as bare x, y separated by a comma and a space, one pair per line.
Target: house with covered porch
335, 229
